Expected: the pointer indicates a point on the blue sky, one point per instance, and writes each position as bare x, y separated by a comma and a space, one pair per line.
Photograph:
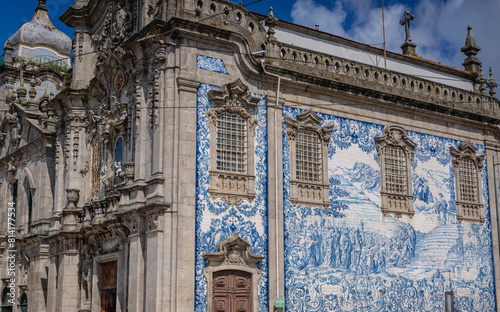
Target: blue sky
439, 27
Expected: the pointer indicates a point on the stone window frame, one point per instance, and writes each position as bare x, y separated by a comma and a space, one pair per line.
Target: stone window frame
312, 194
396, 202
467, 210
232, 187
233, 254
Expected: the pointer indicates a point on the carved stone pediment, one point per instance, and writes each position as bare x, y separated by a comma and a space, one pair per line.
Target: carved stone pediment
233, 251
233, 98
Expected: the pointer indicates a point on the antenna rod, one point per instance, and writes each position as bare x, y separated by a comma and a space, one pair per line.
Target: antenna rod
383, 30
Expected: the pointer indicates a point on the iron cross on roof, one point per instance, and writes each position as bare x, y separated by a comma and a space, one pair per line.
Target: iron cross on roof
406, 22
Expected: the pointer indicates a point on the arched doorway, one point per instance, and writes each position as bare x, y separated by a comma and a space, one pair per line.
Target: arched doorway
232, 277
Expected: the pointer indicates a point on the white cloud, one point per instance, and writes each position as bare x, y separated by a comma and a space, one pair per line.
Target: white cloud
439, 28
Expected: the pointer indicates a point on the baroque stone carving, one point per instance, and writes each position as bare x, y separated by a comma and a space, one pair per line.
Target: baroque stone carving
73, 195
232, 187
152, 222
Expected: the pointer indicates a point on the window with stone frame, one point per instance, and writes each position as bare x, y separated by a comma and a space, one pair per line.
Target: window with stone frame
395, 154
308, 143
232, 135
467, 168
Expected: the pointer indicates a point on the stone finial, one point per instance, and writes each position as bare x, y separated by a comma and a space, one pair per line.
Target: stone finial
492, 84
271, 22
470, 49
408, 46
42, 5
481, 80
8, 60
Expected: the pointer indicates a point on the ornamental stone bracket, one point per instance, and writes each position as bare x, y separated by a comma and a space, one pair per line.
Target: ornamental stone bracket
311, 194
233, 254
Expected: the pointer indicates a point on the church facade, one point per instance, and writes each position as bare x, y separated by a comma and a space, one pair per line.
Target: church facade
201, 157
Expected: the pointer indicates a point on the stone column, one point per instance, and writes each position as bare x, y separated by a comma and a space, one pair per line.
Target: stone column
154, 264
52, 283
67, 277
136, 266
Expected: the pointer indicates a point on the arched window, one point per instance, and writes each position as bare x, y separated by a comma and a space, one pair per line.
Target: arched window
24, 303
395, 170
308, 142
232, 134
395, 155
6, 305
118, 162
467, 168
29, 194
231, 143
308, 156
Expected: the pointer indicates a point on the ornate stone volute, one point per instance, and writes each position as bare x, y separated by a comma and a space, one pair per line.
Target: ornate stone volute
73, 195
233, 251
271, 22
470, 49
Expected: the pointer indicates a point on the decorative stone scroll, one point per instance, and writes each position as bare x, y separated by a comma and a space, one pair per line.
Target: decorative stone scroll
232, 187
314, 192
467, 169
233, 254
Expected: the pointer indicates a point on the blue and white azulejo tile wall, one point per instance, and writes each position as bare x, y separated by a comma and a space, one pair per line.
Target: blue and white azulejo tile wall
216, 220
352, 258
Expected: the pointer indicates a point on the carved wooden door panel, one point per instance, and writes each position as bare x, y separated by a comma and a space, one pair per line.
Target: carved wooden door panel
232, 291
108, 286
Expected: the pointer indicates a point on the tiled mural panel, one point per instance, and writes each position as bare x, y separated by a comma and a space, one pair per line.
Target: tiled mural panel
350, 257
216, 220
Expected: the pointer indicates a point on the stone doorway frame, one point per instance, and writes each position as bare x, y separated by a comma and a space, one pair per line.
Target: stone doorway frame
233, 254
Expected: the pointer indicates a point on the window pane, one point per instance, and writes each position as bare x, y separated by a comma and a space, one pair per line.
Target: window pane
308, 156
395, 170
231, 143
467, 181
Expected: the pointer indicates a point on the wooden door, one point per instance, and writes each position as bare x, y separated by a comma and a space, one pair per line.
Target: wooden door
108, 286
232, 291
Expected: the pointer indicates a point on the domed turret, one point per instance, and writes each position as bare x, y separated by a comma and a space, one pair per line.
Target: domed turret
39, 40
